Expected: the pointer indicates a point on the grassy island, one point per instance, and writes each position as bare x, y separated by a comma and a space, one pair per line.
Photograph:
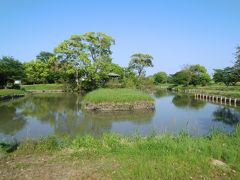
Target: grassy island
117, 99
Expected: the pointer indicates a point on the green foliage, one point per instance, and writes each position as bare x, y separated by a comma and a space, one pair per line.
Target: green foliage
116, 95
160, 78
48, 144
182, 77
199, 75
140, 61
228, 75
36, 72
146, 83
10, 70
88, 55
114, 83
192, 75
45, 56
45, 69
8, 147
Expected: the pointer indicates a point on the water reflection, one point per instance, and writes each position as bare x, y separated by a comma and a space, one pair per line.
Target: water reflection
11, 121
98, 122
43, 114
160, 93
227, 115
184, 100
49, 108
63, 113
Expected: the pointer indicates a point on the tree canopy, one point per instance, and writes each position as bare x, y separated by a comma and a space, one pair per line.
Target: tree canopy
228, 75
139, 62
89, 55
192, 75
160, 77
10, 69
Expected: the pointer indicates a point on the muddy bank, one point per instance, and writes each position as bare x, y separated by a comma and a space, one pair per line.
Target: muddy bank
119, 106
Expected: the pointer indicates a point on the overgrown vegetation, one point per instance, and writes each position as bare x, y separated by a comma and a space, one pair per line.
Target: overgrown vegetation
135, 157
116, 95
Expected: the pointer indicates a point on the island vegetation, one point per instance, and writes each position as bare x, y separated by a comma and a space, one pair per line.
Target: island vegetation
117, 99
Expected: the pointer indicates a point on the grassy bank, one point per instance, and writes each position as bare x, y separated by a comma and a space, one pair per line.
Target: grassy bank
222, 90
10, 92
116, 95
214, 89
43, 87
114, 156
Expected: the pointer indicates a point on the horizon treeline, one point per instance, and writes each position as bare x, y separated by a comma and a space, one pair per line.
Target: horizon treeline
85, 63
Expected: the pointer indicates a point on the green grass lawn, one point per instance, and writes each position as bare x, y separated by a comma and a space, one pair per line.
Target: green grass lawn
114, 156
117, 95
43, 87
5, 92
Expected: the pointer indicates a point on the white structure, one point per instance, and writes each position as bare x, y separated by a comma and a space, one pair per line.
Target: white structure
17, 82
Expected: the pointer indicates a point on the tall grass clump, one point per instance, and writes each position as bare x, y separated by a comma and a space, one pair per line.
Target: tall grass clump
48, 144
117, 95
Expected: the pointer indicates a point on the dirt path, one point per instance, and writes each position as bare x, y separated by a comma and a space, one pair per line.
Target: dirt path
49, 167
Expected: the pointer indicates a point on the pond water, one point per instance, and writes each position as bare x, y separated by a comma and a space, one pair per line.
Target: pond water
61, 114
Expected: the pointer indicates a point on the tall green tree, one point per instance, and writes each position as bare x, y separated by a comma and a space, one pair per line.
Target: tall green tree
53, 64
36, 72
160, 77
45, 56
88, 54
139, 62
199, 75
192, 75
228, 75
10, 69
182, 77
218, 75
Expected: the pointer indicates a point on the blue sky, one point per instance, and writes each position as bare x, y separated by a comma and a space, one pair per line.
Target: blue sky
174, 32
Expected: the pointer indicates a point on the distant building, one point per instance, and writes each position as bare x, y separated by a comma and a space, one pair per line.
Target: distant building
17, 82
